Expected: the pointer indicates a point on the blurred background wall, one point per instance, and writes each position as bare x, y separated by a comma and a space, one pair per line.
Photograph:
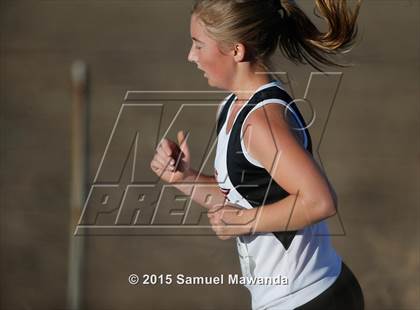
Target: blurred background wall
370, 152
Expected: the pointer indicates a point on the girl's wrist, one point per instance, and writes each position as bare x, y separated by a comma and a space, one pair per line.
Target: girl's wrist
245, 221
187, 183
190, 176
250, 217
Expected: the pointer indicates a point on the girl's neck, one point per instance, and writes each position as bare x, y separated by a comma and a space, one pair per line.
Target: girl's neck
246, 86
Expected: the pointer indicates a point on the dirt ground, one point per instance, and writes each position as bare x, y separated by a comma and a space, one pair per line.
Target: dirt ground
370, 152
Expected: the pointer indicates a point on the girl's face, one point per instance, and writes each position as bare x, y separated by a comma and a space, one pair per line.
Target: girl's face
218, 67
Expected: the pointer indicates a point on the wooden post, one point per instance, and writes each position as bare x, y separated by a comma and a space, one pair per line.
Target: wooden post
79, 180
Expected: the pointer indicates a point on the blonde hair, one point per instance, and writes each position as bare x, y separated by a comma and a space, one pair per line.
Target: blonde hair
264, 25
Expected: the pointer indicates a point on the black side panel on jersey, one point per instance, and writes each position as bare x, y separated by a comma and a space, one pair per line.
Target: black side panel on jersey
223, 114
254, 183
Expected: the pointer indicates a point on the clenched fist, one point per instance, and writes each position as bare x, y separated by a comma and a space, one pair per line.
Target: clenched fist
172, 161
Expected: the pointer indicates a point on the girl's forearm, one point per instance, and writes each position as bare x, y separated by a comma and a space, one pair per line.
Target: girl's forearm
202, 188
288, 214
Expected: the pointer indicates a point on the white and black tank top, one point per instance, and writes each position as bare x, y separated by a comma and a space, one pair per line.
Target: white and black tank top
305, 257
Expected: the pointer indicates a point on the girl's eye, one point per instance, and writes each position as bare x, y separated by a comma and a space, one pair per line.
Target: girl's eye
196, 46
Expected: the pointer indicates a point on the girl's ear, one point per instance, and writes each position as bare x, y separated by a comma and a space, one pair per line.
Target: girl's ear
239, 52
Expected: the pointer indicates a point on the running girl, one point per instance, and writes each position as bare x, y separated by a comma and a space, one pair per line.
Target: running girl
268, 180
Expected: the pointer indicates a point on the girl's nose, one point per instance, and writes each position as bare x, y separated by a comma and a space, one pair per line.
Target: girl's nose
191, 56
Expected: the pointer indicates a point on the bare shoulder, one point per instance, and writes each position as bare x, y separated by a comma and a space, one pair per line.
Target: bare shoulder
267, 132
272, 122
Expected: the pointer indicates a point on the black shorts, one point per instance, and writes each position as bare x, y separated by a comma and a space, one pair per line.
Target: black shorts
344, 294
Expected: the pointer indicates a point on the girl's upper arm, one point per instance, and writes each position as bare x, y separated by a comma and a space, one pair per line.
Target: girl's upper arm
270, 140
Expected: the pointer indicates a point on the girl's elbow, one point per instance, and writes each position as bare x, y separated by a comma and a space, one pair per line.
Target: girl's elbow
327, 208
322, 207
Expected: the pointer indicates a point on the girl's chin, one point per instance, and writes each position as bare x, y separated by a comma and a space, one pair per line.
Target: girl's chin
206, 77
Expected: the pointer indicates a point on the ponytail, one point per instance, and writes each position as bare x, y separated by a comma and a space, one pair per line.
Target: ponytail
300, 40
265, 25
